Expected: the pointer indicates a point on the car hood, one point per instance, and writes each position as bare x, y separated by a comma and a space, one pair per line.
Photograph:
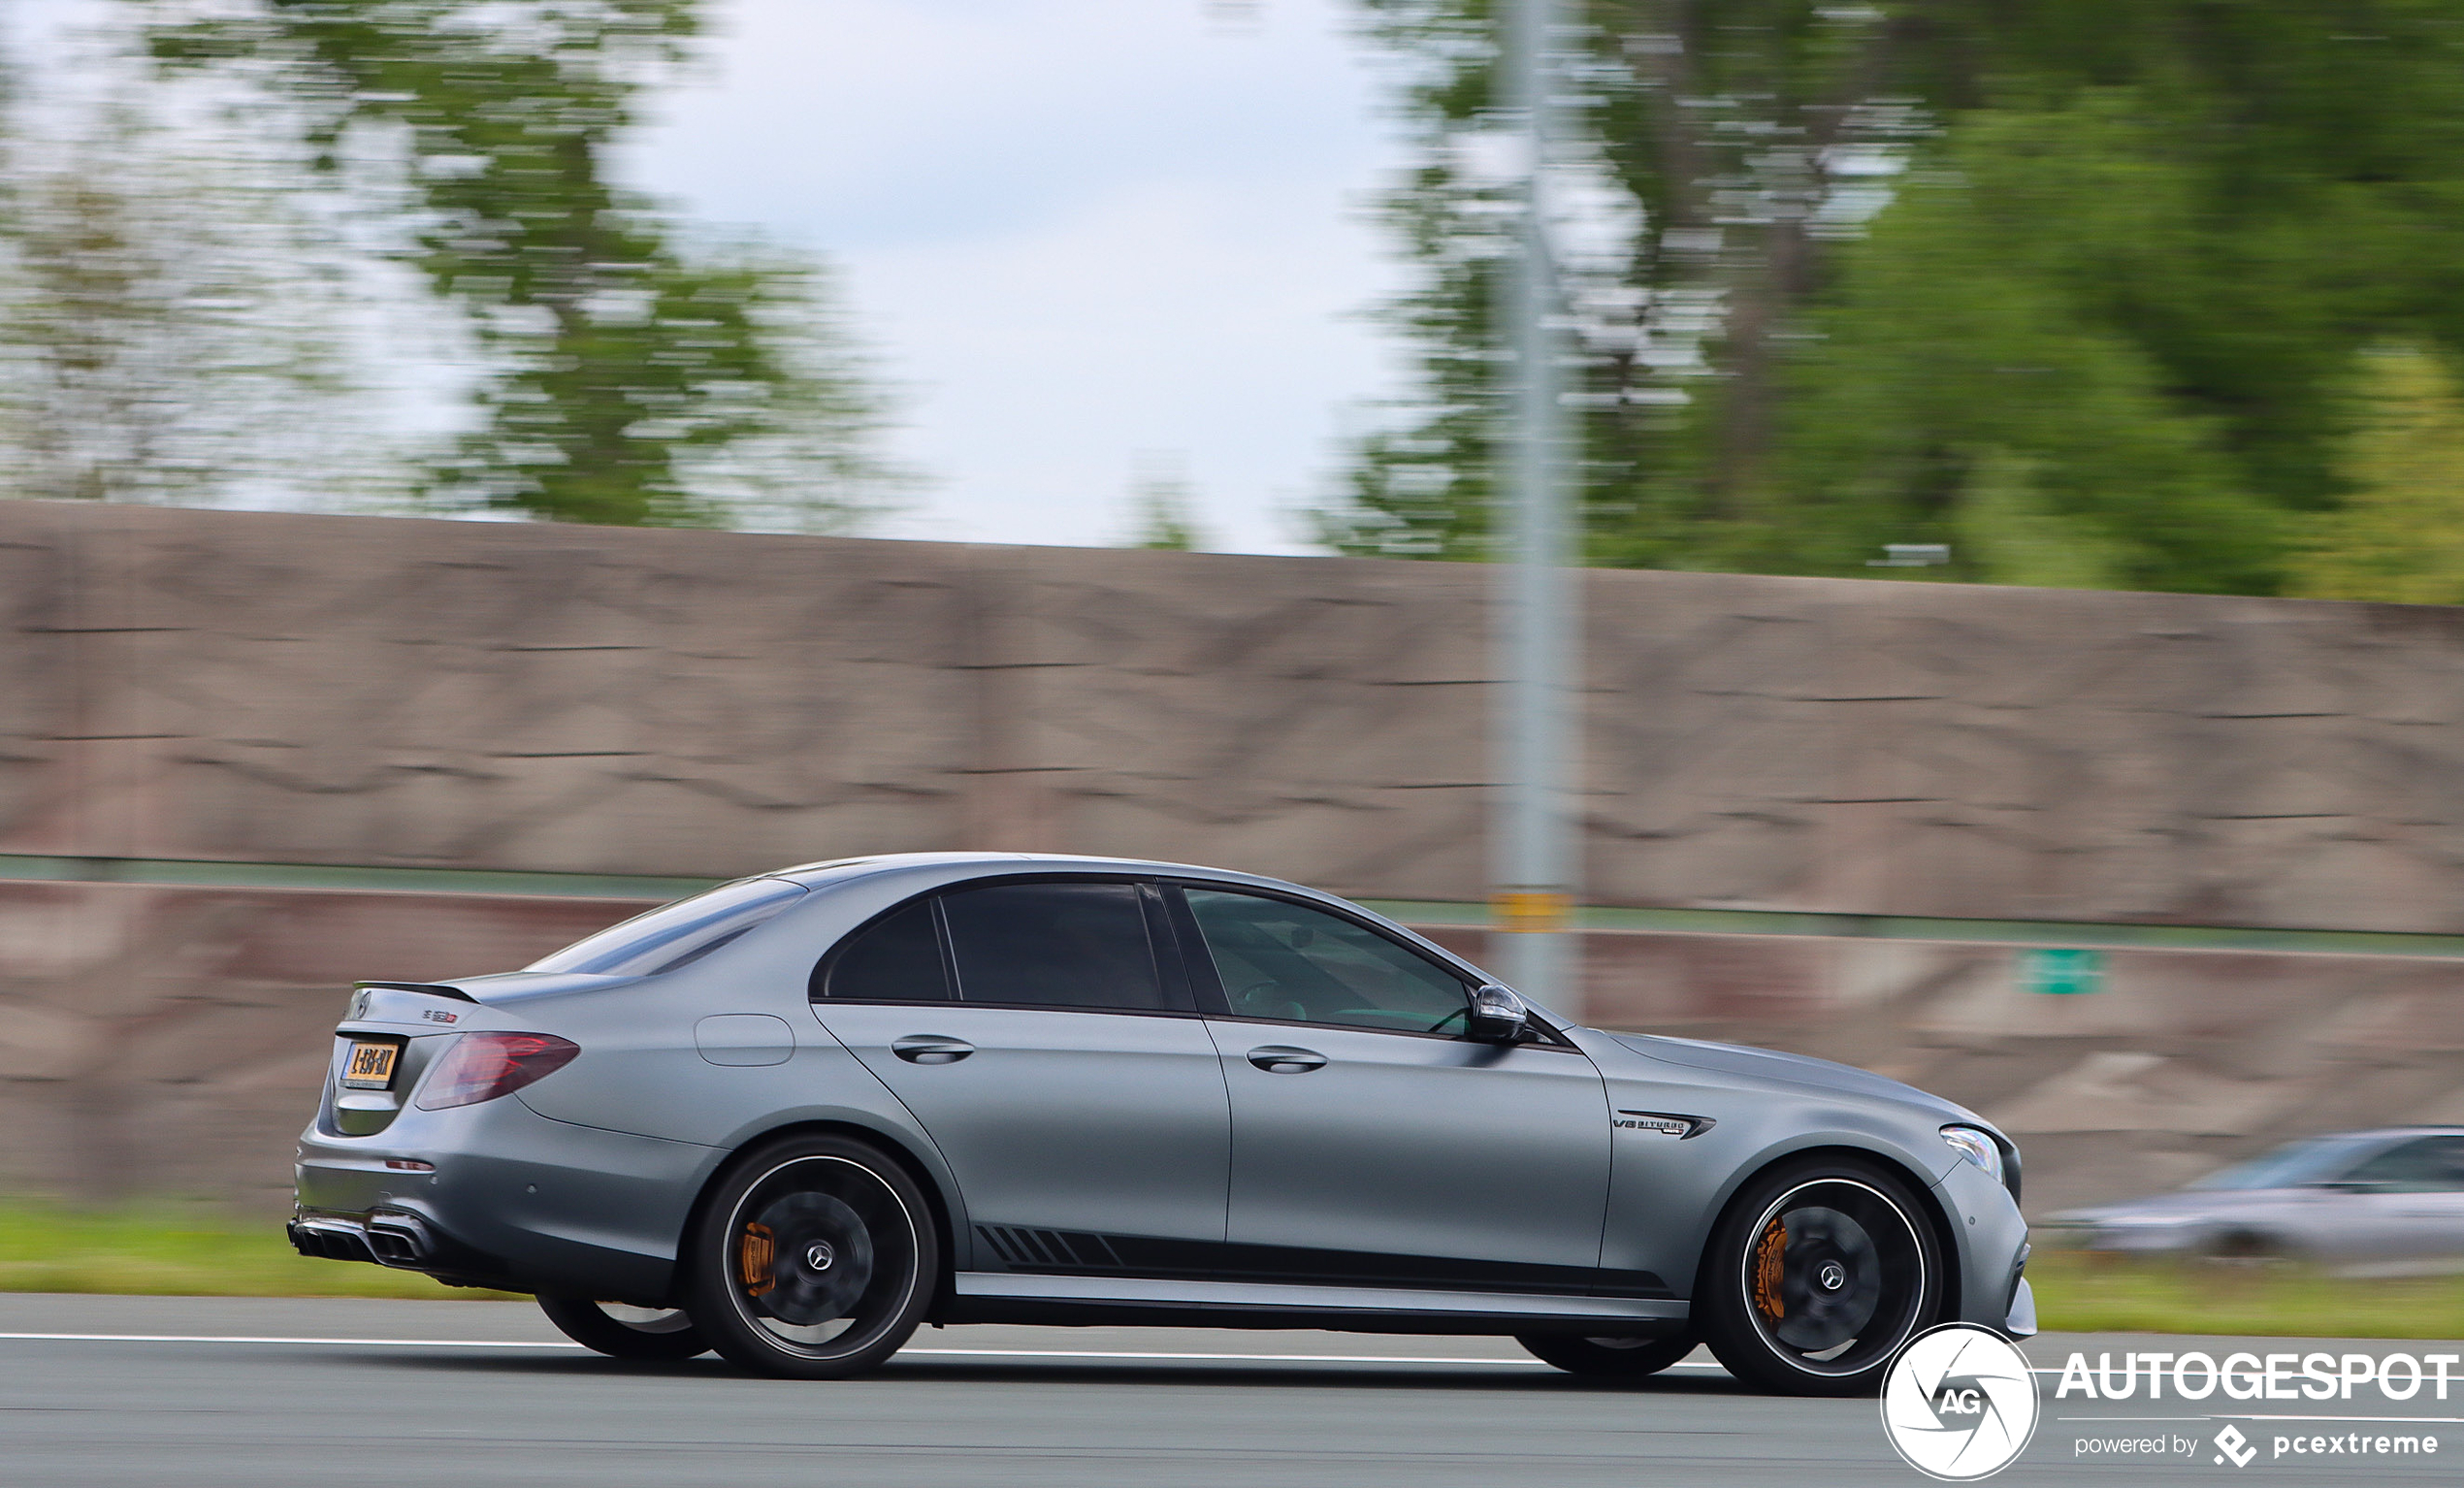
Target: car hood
1793, 1069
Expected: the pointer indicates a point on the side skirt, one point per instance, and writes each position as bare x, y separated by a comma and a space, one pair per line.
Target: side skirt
1009, 1297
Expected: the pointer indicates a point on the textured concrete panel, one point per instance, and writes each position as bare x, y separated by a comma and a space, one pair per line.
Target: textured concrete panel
344, 690
361, 691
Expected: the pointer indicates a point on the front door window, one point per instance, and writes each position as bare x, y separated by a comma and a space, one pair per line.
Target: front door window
1284, 960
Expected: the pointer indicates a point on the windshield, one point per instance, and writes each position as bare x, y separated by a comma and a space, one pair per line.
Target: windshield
2309, 1161
673, 934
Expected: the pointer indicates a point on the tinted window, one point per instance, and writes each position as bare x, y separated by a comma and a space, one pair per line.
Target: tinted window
2311, 1160
1282, 961
2431, 1165
893, 959
674, 934
1053, 946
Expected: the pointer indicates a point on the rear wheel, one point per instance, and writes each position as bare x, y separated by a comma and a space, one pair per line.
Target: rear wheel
1816, 1275
623, 1332
1605, 1358
813, 1259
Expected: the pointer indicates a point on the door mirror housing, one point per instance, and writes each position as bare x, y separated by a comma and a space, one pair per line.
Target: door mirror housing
1498, 1015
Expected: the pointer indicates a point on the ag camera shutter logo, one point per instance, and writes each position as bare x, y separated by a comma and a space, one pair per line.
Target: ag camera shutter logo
1959, 1404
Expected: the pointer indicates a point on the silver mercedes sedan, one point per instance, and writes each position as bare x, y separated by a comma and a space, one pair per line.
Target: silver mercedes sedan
793, 1117
2387, 1202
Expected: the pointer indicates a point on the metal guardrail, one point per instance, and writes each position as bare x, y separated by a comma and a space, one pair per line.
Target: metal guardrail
2084, 934
193, 873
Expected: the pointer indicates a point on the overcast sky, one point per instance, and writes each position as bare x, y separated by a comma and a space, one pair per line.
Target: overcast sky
1080, 231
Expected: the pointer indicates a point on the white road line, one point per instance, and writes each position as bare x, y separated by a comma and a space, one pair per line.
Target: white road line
944, 1353
220, 1338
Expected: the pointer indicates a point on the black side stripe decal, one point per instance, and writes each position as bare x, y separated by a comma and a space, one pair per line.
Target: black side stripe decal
1079, 1252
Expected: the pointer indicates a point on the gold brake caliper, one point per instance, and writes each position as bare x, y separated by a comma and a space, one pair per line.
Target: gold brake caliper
758, 1251
1768, 1251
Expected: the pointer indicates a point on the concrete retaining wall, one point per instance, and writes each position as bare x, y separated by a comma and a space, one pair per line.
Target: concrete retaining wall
244, 687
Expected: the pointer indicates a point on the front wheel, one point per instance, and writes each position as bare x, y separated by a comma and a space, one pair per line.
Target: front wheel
1605, 1358
1817, 1273
623, 1332
813, 1259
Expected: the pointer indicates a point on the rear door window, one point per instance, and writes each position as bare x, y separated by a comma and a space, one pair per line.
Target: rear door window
1054, 945
896, 958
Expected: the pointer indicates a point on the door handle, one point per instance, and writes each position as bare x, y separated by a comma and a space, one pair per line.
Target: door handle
930, 1049
1283, 1059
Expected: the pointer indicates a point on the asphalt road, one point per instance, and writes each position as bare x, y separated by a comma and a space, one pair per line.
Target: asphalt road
206, 1392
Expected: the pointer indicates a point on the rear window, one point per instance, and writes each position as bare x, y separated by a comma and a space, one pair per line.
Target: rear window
675, 934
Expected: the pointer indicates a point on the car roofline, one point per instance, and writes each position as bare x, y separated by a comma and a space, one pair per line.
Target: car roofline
843, 869
846, 870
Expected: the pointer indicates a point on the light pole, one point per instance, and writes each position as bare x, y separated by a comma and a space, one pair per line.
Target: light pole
1535, 855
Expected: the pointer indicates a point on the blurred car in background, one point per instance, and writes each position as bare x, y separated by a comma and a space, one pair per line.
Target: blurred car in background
2386, 1202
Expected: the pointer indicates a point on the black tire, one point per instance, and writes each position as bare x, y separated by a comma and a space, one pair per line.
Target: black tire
1817, 1273
2247, 1247
813, 1259
1605, 1358
623, 1332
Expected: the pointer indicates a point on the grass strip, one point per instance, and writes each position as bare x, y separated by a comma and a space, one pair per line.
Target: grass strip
2091, 1294
199, 1251
183, 1250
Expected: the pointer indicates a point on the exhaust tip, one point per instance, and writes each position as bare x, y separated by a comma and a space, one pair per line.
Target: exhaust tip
328, 1241
399, 1240
387, 1238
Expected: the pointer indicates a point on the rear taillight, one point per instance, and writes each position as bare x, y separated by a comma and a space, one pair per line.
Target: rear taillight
483, 1066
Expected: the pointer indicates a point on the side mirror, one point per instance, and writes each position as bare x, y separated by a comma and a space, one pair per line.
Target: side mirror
1497, 1015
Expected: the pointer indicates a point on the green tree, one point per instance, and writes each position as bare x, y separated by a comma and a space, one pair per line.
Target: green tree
1990, 338
2400, 535
1735, 138
1896, 255
628, 380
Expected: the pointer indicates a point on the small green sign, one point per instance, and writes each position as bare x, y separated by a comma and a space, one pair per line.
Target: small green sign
2061, 973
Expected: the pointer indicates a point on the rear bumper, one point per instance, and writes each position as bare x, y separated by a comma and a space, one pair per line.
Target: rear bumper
507, 1198
392, 1238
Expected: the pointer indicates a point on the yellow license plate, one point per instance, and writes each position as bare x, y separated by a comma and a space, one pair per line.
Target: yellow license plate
371, 1066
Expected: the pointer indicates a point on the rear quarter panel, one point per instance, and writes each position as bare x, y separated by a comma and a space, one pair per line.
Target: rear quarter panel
641, 1072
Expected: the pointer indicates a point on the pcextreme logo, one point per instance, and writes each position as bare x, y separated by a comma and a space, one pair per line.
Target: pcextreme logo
1959, 1403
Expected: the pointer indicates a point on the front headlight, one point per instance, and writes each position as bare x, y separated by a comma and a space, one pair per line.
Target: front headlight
1977, 1148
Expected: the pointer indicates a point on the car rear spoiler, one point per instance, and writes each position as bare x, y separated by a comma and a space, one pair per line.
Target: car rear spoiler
432, 989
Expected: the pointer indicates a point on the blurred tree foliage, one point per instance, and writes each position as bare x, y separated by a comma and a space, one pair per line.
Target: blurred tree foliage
2400, 534
2074, 285
162, 307
630, 378
1161, 503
